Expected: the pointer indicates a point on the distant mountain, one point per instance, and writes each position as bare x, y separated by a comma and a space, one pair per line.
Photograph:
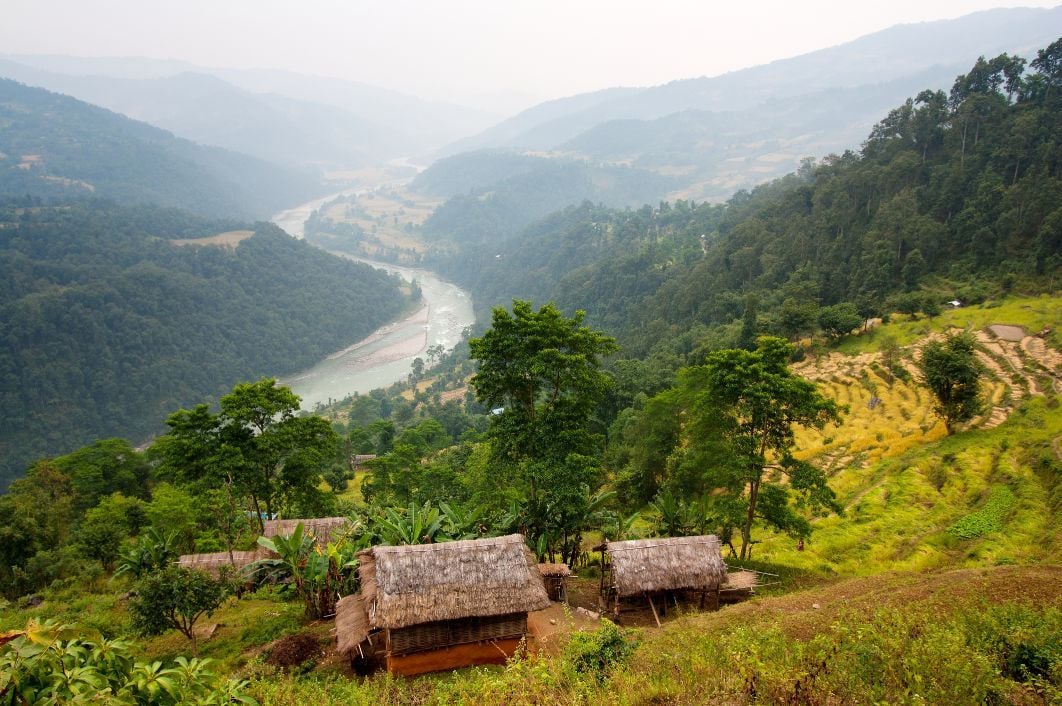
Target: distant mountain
857, 79
205, 109
512, 131
473, 171
54, 146
922, 204
403, 125
715, 153
111, 317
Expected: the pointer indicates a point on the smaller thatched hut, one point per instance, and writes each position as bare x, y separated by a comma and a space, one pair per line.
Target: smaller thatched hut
429, 607
213, 562
322, 529
555, 577
664, 565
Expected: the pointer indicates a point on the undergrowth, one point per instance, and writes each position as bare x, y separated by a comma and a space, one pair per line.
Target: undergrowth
892, 649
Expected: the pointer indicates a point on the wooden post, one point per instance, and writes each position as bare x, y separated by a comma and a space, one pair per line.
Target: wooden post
601, 590
703, 591
655, 616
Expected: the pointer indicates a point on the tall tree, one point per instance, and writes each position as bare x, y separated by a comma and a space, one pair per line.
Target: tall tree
541, 370
256, 446
748, 402
950, 369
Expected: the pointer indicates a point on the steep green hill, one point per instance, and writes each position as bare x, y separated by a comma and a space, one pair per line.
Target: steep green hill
107, 325
57, 147
956, 193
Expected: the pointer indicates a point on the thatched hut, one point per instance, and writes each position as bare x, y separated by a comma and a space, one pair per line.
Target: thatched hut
429, 607
213, 562
664, 565
555, 577
322, 529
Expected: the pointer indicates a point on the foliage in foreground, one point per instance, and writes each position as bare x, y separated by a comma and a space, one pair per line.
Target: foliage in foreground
1012, 653
51, 664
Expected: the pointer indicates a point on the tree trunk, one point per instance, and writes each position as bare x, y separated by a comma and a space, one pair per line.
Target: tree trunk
962, 154
232, 516
258, 513
746, 530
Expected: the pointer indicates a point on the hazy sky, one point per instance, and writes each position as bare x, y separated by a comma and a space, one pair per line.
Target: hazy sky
509, 52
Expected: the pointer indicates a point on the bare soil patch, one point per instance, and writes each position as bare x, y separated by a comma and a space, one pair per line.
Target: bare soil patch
229, 239
293, 650
1007, 332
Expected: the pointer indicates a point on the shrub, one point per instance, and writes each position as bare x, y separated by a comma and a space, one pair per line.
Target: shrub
52, 664
175, 599
599, 652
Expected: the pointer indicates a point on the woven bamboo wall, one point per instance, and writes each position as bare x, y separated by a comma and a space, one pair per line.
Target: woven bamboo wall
445, 633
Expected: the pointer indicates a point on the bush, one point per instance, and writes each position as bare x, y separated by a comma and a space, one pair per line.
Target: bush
53, 664
599, 652
175, 599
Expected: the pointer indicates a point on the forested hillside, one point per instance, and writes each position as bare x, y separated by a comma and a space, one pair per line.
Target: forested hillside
107, 325
493, 195
955, 193
57, 147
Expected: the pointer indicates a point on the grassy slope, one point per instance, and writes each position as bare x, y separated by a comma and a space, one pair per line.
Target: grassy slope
891, 638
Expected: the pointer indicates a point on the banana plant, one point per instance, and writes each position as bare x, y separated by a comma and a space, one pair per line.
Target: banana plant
461, 524
412, 527
152, 551
618, 528
676, 520
318, 576
513, 519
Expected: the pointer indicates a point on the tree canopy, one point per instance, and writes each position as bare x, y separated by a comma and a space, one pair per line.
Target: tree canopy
539, 372
950, 369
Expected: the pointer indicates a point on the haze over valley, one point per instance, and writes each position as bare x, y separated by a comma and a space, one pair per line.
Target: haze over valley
685, 353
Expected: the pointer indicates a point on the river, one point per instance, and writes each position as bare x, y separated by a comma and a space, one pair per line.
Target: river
386, 356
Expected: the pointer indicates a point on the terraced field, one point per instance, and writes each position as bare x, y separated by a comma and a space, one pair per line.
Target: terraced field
916, 498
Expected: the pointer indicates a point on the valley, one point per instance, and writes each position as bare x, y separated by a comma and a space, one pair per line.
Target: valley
737, 388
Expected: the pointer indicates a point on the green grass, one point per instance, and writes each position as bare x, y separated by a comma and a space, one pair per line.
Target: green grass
900, 511
889, 639
245, 626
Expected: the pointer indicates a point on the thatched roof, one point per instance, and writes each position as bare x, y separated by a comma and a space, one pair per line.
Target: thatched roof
323, 529
665, 564
554, 570
423, 583
212, 562
352, 624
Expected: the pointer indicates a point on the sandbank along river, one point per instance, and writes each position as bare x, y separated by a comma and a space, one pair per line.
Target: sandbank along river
386, 356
